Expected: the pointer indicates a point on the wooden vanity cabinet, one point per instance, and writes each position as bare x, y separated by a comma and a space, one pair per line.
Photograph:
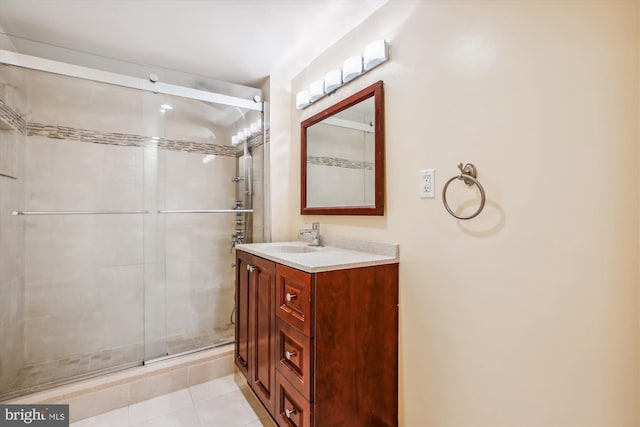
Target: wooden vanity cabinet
335, 344
255, 325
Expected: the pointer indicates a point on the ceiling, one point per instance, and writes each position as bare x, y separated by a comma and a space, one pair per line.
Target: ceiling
238, 41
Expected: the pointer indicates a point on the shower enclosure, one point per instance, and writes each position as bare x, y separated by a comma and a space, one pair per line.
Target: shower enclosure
121, 200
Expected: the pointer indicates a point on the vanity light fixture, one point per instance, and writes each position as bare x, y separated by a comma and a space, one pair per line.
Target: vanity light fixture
165, 107
375, 53
351, 68
316, 90
208, 158
239, 138
332, 80
246, 133
302, 99
255, 128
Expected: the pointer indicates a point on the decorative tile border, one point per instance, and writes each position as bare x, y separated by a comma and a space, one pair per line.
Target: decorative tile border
10, 116
257, 140
84, 135
128, 140
338, 162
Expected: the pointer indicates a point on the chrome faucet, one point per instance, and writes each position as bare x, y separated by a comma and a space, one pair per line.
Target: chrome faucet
314, 231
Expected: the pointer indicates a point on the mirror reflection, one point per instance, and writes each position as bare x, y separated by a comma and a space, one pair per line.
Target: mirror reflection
340, 158
342, 162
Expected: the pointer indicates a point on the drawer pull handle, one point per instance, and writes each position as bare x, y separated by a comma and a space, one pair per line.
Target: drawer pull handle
291, 297
251, 268
289, 412
289, 354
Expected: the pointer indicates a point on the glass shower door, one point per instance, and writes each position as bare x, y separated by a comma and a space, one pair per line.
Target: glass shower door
82, 219
198, 190
119, 209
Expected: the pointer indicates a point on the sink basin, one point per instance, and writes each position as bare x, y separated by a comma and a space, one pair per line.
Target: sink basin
294, 249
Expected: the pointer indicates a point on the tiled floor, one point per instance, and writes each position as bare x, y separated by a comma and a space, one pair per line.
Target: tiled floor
217, 403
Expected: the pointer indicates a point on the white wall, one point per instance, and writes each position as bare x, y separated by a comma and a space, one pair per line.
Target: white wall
528, 314
282, 161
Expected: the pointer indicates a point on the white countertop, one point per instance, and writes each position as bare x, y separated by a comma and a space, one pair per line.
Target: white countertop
311, 259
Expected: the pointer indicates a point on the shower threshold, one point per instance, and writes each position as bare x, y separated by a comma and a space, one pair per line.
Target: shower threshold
44, 376
26, 390
185, 353
103, 393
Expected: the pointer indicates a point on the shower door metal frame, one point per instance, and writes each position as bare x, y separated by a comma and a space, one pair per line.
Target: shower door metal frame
48, 65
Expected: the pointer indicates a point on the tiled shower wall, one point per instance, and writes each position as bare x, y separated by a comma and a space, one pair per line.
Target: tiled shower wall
11, 228
199, 274
91, 281
83, 273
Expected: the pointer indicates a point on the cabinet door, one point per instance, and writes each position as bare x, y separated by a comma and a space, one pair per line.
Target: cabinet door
243, 304
263, 370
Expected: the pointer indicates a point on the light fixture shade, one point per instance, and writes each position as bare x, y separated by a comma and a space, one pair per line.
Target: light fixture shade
302, 99
255, 128
332, 80
235, 140
316, 90
351, 68
375, 53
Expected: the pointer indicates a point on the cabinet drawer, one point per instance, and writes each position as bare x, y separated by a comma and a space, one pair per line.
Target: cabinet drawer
294, 291
294, 357
292, 409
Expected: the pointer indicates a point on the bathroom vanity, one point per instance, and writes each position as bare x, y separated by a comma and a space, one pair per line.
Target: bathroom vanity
317, 331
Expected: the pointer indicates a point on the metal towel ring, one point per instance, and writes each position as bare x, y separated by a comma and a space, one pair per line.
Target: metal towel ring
468, 174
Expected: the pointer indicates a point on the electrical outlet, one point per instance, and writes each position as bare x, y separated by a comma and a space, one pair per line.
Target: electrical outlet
427, 183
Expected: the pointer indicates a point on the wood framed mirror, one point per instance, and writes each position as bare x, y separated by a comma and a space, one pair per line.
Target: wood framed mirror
342, 157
